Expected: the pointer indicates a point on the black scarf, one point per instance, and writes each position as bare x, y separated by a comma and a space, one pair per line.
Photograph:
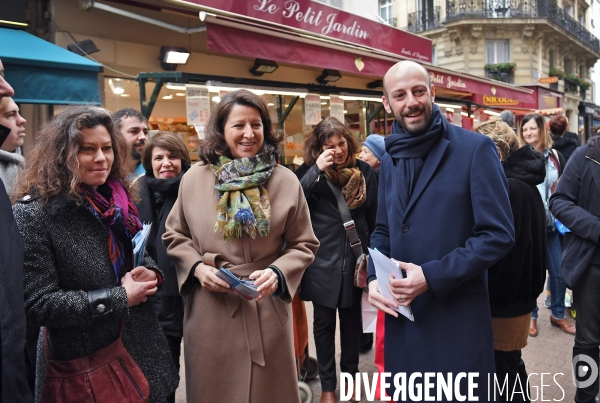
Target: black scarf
409, 151
525, 164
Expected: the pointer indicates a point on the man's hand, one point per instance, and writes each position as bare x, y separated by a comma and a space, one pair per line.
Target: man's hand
405, 290
379, 301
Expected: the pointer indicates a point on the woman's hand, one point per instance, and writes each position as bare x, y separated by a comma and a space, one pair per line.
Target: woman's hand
325, 160
142, 274
138, 291
266, 282
209, 280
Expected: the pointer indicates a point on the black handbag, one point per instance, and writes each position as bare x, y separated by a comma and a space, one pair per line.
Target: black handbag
362, 260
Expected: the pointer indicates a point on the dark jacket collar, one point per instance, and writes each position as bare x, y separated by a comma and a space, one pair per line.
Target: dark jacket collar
593, 151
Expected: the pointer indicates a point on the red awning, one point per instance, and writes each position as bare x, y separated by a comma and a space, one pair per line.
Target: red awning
309, 52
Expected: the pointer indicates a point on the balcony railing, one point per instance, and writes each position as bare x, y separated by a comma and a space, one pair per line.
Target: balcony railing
424, 20
460, 9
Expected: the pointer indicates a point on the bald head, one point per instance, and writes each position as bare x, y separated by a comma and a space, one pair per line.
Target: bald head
408, 96
402, 69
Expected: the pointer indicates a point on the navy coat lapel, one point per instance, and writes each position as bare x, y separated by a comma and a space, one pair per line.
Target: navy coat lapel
431, 163
595, 172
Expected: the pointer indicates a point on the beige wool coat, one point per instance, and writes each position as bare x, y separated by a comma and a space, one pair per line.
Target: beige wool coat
237, 350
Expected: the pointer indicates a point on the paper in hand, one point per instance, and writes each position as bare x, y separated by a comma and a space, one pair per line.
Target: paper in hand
246, 289
384, 266
138, 243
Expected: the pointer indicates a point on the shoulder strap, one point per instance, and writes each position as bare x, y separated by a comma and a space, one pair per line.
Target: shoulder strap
349, 225
554, 158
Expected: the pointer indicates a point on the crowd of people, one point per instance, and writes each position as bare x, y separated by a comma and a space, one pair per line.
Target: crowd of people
470, 217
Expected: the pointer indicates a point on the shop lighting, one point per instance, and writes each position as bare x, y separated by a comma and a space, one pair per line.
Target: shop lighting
448, 106
171, 56
217, 86
360, 98
125, 95
375, 84
216, 99
329, 76
83, 48
450, 110
262, 66
492, 113
170, 96
464, 114
180, 94
174, 86
115, 86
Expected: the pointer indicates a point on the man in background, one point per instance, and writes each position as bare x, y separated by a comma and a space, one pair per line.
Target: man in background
11, 158
134, 128
13, 371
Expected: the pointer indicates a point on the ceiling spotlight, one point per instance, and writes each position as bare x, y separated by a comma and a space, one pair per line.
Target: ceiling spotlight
216, 99
329, 76
262, 66
115, 86
83, 48
169, 96
171, 56
375, 84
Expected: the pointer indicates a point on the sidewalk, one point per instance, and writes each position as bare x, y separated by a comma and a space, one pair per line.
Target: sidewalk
549, 353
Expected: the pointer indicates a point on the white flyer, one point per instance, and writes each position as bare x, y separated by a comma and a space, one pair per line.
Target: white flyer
384, 266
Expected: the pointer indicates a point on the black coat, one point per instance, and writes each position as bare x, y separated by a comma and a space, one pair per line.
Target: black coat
517, 279
566, 144
155, 208
576, 203
13, 374
66, 257
328, 280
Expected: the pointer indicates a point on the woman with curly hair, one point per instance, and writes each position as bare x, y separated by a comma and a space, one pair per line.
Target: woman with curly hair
515, 282
238, 209
77, 220
330, 157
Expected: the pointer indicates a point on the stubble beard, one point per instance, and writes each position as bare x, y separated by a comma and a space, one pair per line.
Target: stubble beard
416, 129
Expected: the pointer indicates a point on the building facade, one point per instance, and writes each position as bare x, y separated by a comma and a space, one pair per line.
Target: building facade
515, 41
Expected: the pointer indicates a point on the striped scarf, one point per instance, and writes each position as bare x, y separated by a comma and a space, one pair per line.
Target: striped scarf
111, 213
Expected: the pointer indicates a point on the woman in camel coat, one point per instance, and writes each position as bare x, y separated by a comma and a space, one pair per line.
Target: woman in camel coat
238, 209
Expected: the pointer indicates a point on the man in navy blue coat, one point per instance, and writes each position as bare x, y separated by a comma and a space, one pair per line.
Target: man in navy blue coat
445, 215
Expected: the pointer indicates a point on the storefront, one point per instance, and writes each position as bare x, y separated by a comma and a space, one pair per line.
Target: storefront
589, 121
302, 49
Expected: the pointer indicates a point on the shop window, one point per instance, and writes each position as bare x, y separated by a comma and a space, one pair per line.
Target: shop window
497, 51
385, 9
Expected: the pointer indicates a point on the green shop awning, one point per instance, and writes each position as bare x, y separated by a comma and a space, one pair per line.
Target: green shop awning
43, 73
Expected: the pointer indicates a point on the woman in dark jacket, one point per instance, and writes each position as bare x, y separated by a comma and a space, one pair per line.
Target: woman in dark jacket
166, 159
517, 280
77, 220
330, 156
576, 203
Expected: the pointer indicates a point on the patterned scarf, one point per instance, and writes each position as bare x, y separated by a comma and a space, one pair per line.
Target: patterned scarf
354, 187
111, 213
244, 203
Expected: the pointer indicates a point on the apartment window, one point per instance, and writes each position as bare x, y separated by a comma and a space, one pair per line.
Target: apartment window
582, 71
497, 51
385, 9
433, 56
551, 57
568, 66
333, 3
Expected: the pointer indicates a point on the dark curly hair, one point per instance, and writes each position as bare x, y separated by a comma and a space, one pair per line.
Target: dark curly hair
313, 146
215, 145
52, 165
